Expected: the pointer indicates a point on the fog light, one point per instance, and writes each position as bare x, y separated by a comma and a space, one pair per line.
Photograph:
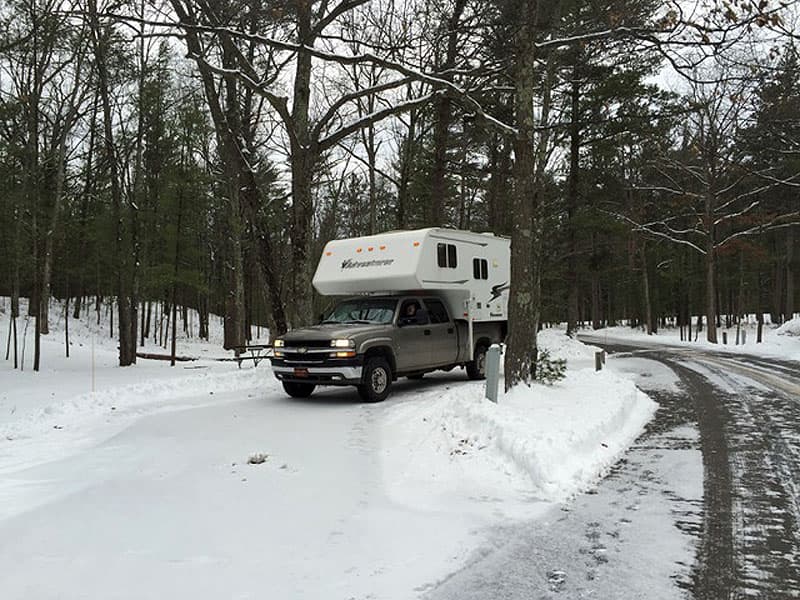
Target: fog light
343, 354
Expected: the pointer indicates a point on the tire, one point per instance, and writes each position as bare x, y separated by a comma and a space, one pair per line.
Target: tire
476, 369
377, 380
416, 376
298, 390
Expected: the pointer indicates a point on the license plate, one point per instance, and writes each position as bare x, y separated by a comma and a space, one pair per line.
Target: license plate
301, 372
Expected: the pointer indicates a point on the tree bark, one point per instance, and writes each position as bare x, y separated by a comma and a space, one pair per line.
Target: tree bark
790, 272
304, 154
572, 206
127, 349
175, 277
47, 265
522, 350
711, 295
443, 109
406, 159
648, 307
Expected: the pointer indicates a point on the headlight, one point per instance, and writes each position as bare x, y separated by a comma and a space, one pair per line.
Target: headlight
278, 344
343, 344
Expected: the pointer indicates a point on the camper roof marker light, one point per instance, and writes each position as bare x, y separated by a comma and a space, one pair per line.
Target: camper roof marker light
383, 247
416, 244
371, 248
328, 253
358, 249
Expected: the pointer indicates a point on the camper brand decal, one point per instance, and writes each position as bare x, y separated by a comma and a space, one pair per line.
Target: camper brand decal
497, 290
358, 264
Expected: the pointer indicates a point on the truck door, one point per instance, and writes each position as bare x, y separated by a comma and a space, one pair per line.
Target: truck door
443, 339
412, 337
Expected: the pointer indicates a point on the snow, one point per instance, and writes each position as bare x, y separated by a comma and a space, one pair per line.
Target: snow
537, 444
791, 327
204, 480
778, 342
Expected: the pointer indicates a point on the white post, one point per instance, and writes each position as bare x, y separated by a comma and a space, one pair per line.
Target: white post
492, 372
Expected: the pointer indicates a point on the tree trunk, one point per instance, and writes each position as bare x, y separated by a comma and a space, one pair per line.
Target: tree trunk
572, 206
443, 109
66, 323
176, 266
790, 271
405, 171
648, 306
778, 295
371, 151
127, 343
522, 352
47, 265
711, 296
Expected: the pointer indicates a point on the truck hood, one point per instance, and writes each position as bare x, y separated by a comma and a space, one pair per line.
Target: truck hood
331, 332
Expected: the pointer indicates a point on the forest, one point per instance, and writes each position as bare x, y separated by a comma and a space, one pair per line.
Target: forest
158, 156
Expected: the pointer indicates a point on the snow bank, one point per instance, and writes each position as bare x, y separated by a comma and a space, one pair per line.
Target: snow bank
559, 345
544, 443
790, 327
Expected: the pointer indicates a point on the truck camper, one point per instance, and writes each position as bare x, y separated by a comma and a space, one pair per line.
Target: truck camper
413, 302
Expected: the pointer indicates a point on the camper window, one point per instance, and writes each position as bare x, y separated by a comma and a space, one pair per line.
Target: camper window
480, 268
446, 256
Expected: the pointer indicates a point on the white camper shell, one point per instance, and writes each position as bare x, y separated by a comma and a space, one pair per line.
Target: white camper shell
469, 271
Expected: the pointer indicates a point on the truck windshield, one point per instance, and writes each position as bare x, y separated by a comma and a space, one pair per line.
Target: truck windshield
366, 310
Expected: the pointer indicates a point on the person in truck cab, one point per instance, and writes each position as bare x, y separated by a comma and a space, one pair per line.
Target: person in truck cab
412, 314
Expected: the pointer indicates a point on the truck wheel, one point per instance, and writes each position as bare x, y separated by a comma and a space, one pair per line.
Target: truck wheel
476, 369
298, 390
377, 380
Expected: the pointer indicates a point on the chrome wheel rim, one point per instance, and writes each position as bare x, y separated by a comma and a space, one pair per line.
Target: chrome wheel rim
379, 380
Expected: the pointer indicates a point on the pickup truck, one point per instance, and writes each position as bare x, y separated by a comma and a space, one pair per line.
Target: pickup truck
371, 341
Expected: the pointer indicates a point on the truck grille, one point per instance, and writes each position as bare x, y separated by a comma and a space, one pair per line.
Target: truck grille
308, 344
308, 351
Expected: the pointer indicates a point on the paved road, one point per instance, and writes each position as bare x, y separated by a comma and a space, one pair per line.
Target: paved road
748, 413
706, 505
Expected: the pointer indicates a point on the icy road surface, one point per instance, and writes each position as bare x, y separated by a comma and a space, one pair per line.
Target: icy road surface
747, 410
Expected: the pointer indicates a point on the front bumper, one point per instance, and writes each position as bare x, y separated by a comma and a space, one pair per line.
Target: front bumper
321, 375
327, 372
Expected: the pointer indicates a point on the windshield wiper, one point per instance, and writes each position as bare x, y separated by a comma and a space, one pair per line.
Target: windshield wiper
359, 322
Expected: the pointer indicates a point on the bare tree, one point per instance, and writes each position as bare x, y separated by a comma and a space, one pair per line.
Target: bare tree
707, 193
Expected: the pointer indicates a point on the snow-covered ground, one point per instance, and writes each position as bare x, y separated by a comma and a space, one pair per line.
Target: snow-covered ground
542, 443
135, 483
778, 342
